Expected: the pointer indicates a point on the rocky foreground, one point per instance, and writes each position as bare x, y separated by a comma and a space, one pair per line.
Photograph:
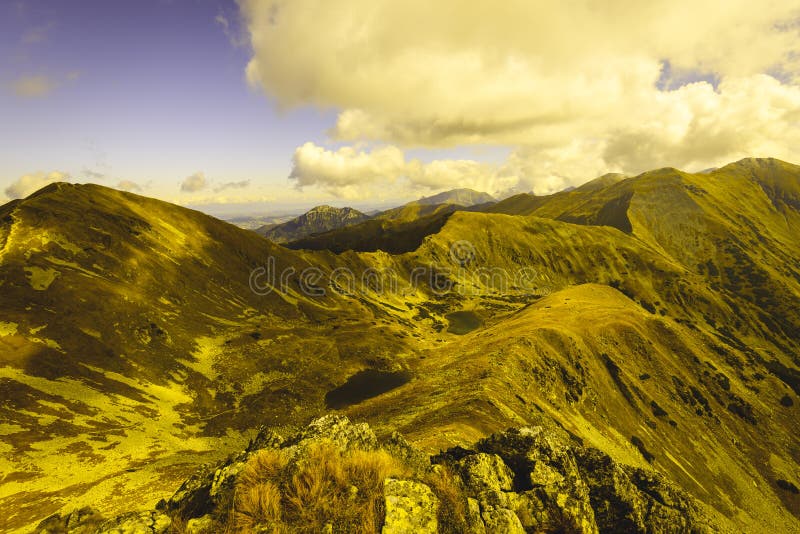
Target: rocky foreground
336, 476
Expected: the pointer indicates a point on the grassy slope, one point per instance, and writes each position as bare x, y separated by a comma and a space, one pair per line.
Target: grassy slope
131, 347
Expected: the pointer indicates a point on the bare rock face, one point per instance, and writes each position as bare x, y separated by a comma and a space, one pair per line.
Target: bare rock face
137, 523
410, 508
83, 521
532, 479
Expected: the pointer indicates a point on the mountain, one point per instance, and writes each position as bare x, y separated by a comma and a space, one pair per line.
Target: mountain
133, 346
317, 220
459, 197
256, 222
402, 230
651, 319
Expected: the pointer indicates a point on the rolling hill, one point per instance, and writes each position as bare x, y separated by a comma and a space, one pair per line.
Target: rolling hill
653, 318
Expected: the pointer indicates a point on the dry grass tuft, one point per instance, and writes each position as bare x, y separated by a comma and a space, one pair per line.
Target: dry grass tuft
327, 489
265, 465
258, 505
447, 486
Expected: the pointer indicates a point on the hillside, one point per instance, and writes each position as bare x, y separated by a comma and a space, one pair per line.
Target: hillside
317, 220
459, 197
134, 348
668, 343
398, 231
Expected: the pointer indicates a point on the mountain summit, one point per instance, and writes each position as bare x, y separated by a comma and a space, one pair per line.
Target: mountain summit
459, 197
316, 220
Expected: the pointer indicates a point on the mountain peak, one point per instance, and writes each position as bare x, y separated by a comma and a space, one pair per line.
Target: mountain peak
461, 197
318, 219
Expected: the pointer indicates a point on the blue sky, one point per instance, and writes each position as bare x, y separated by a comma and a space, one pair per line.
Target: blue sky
150, 92
266, 105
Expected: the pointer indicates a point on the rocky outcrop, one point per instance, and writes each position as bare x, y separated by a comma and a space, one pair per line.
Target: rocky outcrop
533, 479
410, 507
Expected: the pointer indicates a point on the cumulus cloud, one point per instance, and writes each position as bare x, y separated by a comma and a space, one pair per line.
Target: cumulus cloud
33, 86
195, 182
575, 87
128, 185
359, 174
232, 185
30, 183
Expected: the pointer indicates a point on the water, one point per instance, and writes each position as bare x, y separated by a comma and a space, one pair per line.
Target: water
364, 385
463, 322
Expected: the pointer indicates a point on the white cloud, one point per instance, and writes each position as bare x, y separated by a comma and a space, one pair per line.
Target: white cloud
361, 174
572, 86
314, 165
195, 182
232, 185
30, 183
128, 185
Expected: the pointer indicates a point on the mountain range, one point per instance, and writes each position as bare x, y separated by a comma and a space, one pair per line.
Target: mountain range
653, 318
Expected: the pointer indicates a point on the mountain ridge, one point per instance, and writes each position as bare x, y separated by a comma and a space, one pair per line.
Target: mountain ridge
671, 345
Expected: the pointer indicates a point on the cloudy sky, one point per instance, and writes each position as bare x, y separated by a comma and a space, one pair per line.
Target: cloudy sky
301, 101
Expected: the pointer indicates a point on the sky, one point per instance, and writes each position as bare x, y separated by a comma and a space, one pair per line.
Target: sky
266, 105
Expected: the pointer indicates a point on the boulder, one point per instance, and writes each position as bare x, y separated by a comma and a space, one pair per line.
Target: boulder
137, 523
411, 507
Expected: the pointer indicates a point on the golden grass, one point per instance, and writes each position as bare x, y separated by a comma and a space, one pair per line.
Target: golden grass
328, 489
449, 489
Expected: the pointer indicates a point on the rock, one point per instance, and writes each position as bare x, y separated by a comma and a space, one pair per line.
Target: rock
474, 519
531, 479
225, 478
501, 521
266, 439
200, 525
337, 429
486, 472
83, 521
410, 507
193, 497
137, 523
634, 500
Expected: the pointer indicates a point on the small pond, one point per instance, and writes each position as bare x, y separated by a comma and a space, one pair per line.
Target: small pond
463, 322
364, 385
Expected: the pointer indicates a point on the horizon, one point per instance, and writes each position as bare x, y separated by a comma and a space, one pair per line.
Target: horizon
250, 104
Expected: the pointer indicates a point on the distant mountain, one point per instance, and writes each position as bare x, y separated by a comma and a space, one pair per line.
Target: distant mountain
399, 232
459, 197
319, 219
256, 222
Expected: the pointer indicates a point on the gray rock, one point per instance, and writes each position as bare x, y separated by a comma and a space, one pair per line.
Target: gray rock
482, 472
137, 523
501, 521
200, 525
410, 508
474, 519
83, 521
337, 429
